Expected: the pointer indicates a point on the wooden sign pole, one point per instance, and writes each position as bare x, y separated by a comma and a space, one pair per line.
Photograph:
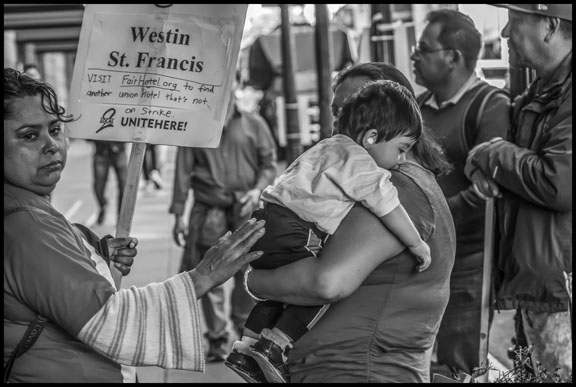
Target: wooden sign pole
129, 199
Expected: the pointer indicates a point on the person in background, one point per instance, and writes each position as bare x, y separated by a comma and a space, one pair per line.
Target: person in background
151, 167
108, 154
226, 182
57, 273
529, 172
33, 71
445, 62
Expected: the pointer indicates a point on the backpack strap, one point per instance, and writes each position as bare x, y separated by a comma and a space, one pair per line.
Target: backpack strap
26, 342
423, 97
474, 112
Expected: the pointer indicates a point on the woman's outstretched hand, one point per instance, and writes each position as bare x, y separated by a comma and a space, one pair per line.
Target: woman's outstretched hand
228, 256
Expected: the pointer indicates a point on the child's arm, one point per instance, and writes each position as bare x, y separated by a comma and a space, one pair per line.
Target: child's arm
401, 225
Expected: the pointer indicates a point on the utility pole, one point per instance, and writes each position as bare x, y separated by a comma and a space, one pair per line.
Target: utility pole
324, 68
381, 35
293, 143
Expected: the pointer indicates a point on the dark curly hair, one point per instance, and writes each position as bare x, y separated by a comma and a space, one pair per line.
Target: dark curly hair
383, 105
19, 85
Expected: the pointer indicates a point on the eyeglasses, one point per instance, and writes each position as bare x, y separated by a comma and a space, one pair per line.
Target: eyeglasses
423, 51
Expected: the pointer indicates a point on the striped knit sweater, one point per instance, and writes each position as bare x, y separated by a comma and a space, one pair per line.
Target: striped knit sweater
154, 325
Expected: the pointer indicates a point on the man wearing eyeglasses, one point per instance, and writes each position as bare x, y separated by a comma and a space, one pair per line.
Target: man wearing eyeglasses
462, 110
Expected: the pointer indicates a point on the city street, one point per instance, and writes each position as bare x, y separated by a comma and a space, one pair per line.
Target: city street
158, 256
165, 72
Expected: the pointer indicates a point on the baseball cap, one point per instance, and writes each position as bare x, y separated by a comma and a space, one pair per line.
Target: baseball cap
562, 11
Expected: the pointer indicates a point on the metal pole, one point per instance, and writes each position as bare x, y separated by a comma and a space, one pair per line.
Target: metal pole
324, 68
520, 77
383, 48
10, 49
293, 144
486, 281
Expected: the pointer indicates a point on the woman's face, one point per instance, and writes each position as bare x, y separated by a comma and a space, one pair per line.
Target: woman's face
34, 147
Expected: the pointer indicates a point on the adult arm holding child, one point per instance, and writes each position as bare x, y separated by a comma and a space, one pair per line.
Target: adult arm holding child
358, 246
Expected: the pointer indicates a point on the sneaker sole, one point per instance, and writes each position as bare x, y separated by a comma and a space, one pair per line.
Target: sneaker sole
248, 378
271, 373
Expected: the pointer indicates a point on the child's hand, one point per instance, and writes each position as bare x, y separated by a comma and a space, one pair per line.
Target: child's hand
422, 252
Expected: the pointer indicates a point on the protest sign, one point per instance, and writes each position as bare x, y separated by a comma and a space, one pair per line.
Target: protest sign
156, 74
159, 74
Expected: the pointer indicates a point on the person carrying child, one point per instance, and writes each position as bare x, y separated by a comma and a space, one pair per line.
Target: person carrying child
377, 127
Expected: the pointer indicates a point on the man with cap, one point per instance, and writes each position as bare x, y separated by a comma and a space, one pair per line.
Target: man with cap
531, 171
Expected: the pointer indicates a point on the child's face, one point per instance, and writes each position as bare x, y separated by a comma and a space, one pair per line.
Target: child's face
388, 154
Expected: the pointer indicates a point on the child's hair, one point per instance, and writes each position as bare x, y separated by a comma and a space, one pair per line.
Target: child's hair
383, 105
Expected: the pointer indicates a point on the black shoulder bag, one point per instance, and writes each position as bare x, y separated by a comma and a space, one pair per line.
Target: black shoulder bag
29, 338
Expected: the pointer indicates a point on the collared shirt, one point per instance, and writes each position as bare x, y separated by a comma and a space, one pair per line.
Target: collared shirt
473, 81
245, 159
448, 124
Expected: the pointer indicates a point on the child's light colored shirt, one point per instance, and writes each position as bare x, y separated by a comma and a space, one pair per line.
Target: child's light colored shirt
325, 182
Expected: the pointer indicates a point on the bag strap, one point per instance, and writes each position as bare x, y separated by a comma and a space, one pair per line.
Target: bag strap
11, 210
474, 112
99, 244
26, 342
423, 97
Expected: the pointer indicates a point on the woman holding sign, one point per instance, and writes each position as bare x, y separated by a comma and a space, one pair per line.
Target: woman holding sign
58, 288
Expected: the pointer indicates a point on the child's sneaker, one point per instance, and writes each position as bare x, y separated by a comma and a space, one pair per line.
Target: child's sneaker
270, 358
246, 367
